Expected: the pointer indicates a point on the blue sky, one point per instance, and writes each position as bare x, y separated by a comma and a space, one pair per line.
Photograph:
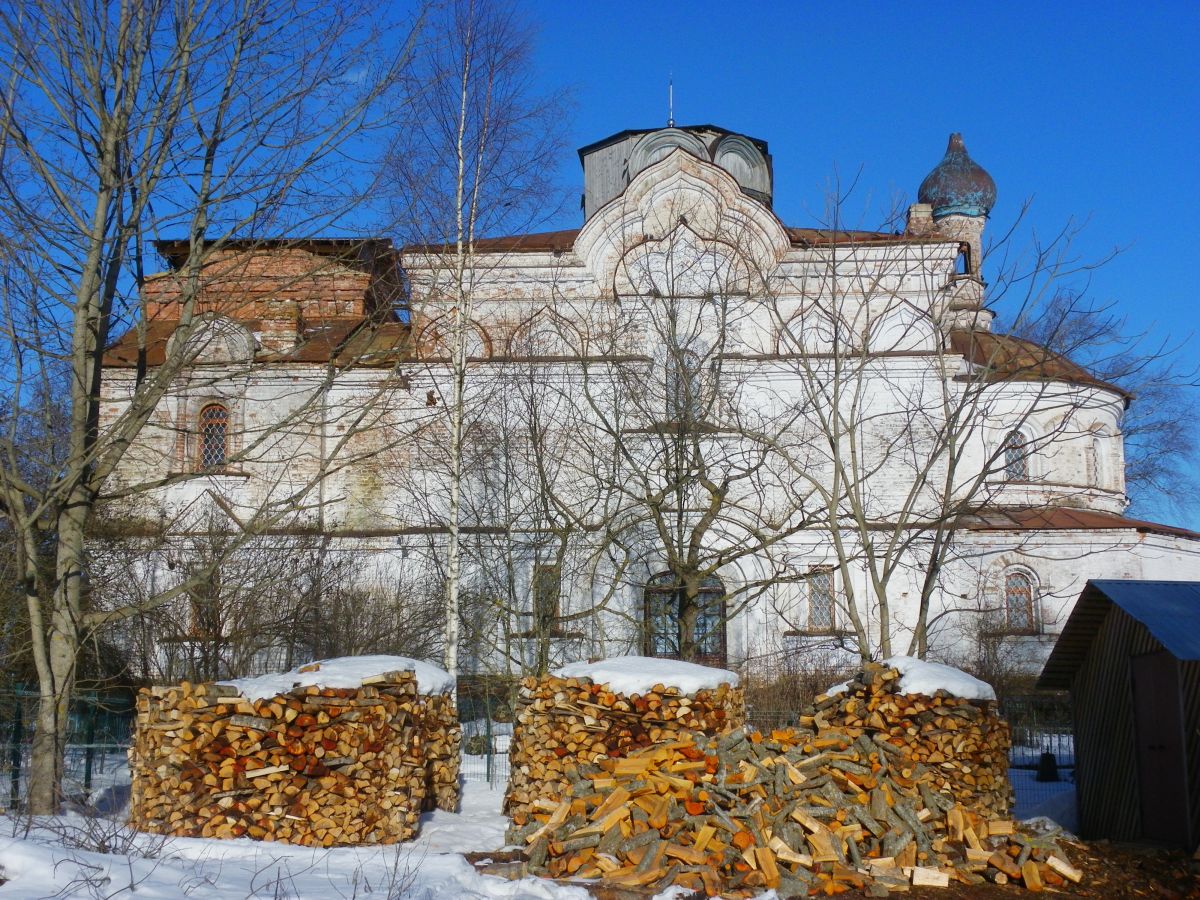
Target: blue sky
1092, 110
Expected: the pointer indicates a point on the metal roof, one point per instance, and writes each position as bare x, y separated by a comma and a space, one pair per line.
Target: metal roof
621, 135
1170, 611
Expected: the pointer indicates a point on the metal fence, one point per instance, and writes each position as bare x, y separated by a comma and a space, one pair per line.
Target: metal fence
485, 748
1042, 759
99, 729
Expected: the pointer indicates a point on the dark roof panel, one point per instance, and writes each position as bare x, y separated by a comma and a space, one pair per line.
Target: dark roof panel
621, 135
1170, 611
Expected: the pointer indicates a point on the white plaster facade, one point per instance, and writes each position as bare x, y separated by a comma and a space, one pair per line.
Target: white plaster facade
686, 382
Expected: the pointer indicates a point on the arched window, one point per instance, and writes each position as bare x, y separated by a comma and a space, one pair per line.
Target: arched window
1020, 598
1016, 457
213, 450
664, 600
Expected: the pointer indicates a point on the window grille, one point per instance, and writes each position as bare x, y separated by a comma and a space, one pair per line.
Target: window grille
1018, 601
663, 598
1016, 457
1095, 473
685, 386
821, 599
214, 436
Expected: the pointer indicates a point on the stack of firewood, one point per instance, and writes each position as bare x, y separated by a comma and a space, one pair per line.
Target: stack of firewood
801, 811
443, 752
964, 743
319, 766
563, 723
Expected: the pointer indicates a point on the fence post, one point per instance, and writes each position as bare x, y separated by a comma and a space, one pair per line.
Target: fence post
90, 737
15, 751
487, 728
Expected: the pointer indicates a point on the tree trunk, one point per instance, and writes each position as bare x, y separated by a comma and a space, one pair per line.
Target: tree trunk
49, 739
56, 667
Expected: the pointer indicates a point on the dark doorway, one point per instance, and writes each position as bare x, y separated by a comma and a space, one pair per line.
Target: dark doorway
663, 601
1162, 769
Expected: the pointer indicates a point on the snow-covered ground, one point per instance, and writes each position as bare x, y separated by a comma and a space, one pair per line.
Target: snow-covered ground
1045, 799
37, 862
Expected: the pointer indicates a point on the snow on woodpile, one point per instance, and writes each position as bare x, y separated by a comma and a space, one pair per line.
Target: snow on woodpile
921, 677
587, 712
639, 674
344, 672
917, 676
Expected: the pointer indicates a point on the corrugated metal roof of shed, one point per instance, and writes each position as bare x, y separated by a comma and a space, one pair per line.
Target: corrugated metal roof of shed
1170, 611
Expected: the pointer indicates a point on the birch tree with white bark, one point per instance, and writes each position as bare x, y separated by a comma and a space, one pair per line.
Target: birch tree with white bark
473, 157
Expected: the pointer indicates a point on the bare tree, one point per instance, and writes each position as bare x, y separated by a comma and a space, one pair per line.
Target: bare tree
685, 430
1159, 428
922, 421
119, 123
474, 157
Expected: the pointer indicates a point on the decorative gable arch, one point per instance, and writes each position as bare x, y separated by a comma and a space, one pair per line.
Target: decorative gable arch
214, 340
681, 190
902, 328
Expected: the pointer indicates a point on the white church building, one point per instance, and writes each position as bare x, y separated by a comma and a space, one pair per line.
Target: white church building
684, 428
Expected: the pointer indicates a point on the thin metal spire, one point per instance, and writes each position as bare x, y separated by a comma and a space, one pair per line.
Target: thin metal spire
671, 100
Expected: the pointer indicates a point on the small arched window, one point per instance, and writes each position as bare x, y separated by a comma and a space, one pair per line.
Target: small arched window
1020, 598
1016, 457
213, 451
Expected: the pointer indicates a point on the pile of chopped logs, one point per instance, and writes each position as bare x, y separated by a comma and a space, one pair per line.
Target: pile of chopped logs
963, 743
318, 766
563, 723
802, 811
441, 737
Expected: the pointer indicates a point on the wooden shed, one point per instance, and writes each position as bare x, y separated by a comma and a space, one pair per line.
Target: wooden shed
1130, 656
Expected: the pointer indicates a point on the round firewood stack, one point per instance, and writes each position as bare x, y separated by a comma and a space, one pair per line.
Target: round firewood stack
314, 765
963, 743
563, 723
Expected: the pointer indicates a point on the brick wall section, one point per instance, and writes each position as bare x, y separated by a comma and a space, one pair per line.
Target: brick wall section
270, 283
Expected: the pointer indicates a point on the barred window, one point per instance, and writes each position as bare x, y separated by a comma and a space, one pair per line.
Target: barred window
1018, 602
664, 596
1095, 456
820, 599
214, 436
1016, 457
